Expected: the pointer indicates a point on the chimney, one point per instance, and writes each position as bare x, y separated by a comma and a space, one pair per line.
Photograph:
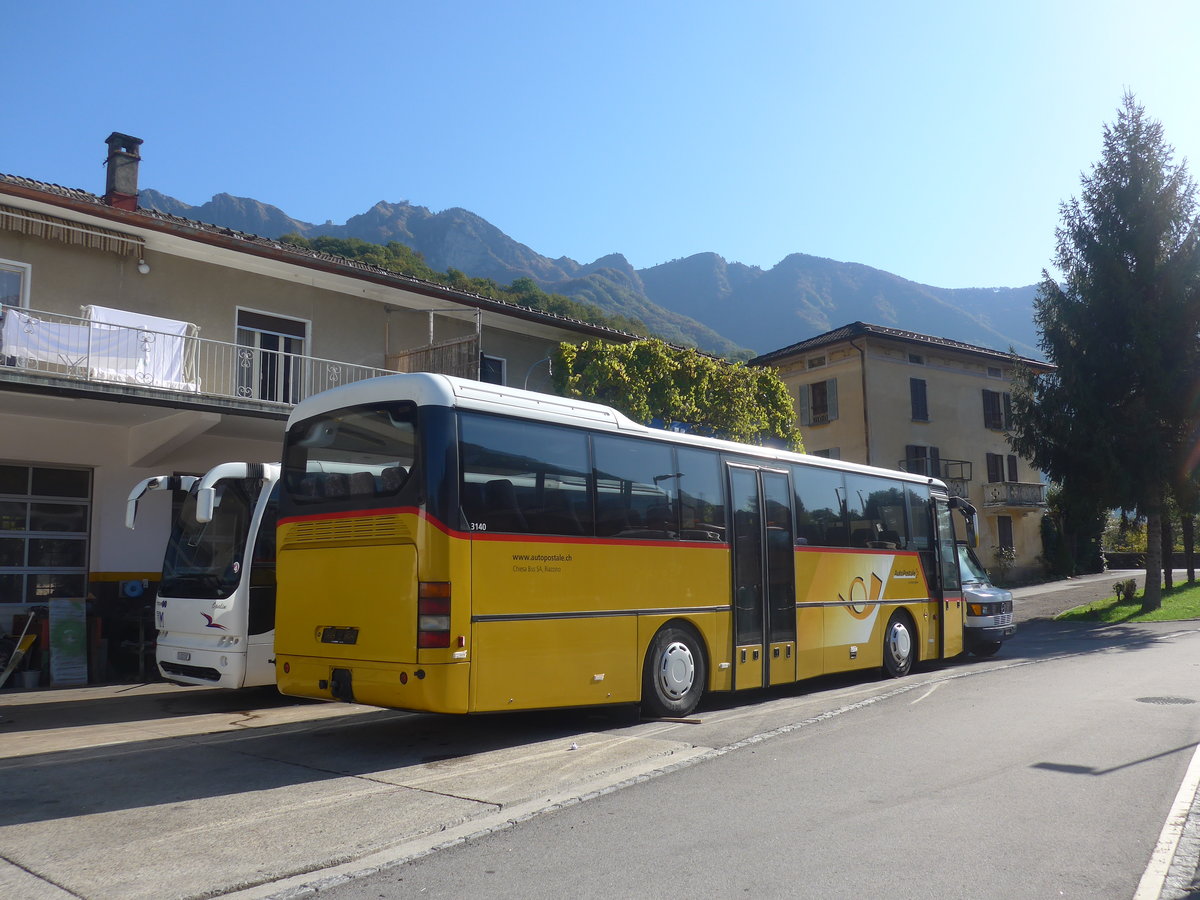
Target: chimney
123, 158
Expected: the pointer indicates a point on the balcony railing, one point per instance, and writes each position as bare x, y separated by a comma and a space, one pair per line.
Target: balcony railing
955, 472
1014, 494
85, 350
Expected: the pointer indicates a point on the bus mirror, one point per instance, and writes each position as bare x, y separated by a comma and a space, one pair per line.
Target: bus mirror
972, 537
206, 501
968, 514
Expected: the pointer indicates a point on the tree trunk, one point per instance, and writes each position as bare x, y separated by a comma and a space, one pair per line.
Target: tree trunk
1152, 594
1189, 545
1168, 553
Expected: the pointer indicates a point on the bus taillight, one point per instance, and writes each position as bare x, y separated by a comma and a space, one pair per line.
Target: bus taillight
433, 614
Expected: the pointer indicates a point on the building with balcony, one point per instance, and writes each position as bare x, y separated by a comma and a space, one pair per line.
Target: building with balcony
909, 401
135, 343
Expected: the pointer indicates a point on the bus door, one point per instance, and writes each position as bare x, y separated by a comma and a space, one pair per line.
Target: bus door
261, 595
951, 609
764, 582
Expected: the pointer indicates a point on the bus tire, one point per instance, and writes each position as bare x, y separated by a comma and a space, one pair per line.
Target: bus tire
675, 673
899, 645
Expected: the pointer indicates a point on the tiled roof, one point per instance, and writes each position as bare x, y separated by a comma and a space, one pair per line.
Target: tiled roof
252, 243
862, 329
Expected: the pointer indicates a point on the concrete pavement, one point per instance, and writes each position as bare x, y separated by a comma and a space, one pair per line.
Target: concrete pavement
155, 790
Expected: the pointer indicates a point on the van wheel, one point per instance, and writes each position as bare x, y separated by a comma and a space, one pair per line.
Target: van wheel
674, 676
984, 648
899, 645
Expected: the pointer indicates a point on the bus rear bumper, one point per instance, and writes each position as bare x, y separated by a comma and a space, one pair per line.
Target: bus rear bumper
443, 688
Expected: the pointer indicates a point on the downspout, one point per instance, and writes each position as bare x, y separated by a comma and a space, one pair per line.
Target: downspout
862, 355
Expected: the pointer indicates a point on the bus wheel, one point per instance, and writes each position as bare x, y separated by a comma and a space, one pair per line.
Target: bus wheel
674, 677
899, 646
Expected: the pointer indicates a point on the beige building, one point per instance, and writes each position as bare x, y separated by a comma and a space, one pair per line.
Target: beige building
909, 401
134, 343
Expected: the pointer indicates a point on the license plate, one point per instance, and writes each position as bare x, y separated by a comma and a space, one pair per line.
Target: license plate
182, 655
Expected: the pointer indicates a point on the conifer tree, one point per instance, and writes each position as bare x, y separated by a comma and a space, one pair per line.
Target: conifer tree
1112, 422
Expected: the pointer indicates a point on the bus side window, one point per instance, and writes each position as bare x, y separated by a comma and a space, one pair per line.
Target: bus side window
534, 476
701, 495
819, 514
635, 486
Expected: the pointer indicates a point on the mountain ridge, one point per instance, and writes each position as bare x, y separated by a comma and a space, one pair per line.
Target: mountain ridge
703, 300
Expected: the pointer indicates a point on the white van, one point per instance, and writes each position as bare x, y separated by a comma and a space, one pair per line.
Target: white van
989, 619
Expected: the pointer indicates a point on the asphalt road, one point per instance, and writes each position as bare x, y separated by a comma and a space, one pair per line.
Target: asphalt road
155, 791
1049, 775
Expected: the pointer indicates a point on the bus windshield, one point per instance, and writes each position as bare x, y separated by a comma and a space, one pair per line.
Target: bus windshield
204, 559
353, 454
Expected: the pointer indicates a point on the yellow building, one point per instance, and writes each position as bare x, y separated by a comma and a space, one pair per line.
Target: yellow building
909, 401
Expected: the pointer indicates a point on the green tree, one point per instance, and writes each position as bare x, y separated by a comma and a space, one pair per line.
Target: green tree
649, 380
1121, 326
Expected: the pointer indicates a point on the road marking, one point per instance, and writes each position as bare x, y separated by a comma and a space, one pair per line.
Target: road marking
1151, 885
933, 687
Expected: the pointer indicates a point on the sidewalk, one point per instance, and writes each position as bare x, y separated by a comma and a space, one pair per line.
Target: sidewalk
54, 720
1045, 601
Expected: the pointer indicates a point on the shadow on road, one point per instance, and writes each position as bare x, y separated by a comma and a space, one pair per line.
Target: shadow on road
379, 745
134, 707
1043, 639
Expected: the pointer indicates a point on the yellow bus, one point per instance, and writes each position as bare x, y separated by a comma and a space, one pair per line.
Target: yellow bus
459, 547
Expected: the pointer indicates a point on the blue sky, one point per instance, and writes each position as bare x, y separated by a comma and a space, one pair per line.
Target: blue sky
932, 140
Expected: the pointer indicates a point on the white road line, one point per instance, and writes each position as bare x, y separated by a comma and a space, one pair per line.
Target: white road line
932, 688
1151, 885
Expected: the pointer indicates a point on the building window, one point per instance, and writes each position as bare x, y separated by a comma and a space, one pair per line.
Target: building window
491, 369
270, 357
916, 359
995, 372
816, 362
1004, 532
995, 468
830, 453
920, 404
44, 520
997, 410
818, 402
923, 460
14, 283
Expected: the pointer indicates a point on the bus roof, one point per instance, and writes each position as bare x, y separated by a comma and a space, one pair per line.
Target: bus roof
429, 389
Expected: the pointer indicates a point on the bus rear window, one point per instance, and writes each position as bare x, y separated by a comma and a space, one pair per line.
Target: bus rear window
353, 454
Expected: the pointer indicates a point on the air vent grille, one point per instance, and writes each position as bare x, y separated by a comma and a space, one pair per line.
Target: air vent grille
349, 530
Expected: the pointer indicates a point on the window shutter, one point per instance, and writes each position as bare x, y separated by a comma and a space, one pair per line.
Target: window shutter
833, 406
1008, 413
805, 404
995, 468
920, 404
991, 411
1012, 468
1005, 529
912, 457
